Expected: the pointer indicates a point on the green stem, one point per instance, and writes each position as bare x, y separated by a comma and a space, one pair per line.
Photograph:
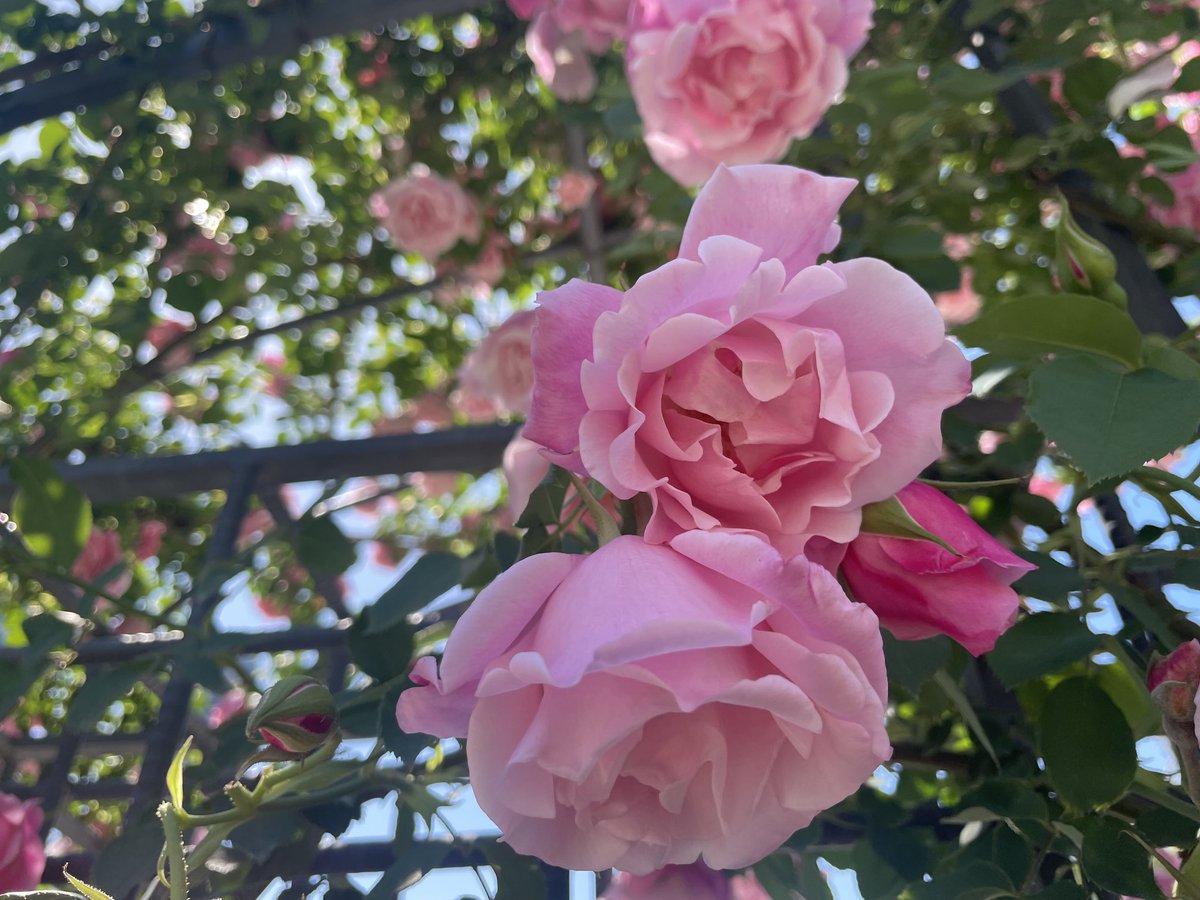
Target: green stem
176, 859
969, 485
1169, 479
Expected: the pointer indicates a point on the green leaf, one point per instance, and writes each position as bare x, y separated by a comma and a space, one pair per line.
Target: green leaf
911, 663
1114, 860
86, 889
1040, 644
967, 711
430, 577
975, 880
175, 774
55, 518
546, 501
410, 866
1189, 77
1050, 581
517, 877
383, 654
102, 688
1047, 323
1109, 421
322, 548
890, 519
1087, 745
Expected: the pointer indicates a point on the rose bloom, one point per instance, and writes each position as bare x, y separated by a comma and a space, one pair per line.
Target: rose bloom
500, 369
960, 306
743, 386
560, 59
425, 213
694, 882
575, 189
734, 81
99, 555
650, 704
22, 856
599, 22
149, 540
919, 589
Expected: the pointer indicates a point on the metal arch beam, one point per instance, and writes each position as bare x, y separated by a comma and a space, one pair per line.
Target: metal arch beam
113, 480
215, 44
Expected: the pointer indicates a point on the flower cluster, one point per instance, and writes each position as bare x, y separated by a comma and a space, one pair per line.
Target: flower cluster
731, 81
704, 687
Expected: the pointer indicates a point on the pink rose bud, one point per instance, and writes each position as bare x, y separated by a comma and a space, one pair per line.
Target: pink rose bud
920, 589
23, 856
296, 716
1172, 680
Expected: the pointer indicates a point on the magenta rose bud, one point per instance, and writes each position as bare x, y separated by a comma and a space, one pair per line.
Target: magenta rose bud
295, 716
919, 589
1172, 680
22, 856
743, 386
649, 704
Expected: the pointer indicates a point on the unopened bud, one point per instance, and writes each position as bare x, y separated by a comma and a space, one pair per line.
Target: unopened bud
296, 716
1173, 680
1085, 264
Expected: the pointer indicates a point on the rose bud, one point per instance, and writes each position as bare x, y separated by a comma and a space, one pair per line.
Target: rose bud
1086, 264
1173, 679
920, 588
295, 715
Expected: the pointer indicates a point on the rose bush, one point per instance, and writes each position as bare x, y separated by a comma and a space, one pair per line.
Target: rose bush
735, 81
919, 589
648, 705
743, 386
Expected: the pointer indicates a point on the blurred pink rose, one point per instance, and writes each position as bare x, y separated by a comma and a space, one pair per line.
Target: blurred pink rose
561, 59
22, 856
1049, 488
1185, 212
273, 607
500, 369
244, 154
575, 189
919, 589
649, 705
201, 254
742, 385
166, 338
434, 484
990, 441
255, 525
425, 213
734, 81
490, 265
149, 540
960, 306
230, 704
99, 555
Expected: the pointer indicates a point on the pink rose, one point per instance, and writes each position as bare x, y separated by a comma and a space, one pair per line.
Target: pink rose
742, 385
232, 703
734, 81
601, 21
918, 589
500, 369
561, 58
694, 882
100, 555
150, 537
575, 189
22, 856
648, 705
960, 306
166, 338
425, 213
